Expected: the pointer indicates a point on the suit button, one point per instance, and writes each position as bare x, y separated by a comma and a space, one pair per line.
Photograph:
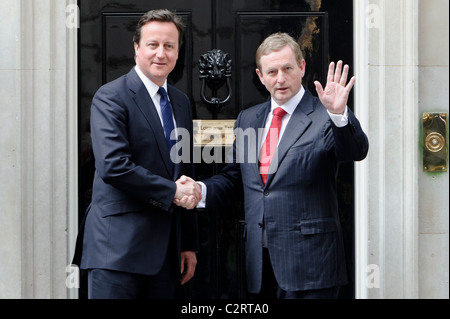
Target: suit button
266, 193
171, 210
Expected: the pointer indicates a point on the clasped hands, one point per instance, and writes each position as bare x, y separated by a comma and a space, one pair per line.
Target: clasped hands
188, 193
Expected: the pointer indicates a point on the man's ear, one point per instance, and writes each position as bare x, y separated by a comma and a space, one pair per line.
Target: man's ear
136, 48
303, 67
260, 75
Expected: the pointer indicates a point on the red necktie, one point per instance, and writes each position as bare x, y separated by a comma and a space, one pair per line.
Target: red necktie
270, 144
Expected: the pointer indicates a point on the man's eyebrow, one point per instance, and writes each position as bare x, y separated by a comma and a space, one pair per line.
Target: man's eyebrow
282, 67
287, 64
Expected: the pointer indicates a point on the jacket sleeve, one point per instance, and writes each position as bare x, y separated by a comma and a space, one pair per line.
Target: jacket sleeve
351, 142
223, 188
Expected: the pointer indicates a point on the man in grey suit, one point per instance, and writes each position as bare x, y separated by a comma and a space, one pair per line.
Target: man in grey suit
294, 244
135, 242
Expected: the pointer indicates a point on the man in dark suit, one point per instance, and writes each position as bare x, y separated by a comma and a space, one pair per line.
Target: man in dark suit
136, 242
294, 244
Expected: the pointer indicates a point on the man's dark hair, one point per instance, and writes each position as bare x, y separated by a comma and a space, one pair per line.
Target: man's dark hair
162, 15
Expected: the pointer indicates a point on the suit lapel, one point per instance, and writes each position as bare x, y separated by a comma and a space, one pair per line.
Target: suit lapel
297, 125
145, 104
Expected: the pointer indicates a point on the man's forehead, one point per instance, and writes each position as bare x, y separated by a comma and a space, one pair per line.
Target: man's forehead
160, 27
278, 58
159, 35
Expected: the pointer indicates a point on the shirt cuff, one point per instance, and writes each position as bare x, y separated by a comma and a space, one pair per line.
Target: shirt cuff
338, 119
202, 202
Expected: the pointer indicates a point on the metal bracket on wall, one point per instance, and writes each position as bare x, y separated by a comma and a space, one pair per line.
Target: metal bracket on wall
434, 126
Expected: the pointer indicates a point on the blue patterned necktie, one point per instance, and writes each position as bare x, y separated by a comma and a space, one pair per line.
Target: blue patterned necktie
166, 110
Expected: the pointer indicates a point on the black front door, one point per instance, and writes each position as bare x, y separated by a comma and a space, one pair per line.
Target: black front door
237, 27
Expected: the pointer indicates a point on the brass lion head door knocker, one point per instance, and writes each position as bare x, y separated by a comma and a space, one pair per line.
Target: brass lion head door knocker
215, 71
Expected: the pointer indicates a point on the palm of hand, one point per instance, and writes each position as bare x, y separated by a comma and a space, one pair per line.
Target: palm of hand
335, 95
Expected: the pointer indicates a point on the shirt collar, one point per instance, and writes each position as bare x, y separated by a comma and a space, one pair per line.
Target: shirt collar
151, 87
290, 105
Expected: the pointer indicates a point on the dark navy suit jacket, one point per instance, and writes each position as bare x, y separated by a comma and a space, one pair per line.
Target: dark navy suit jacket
298, 205
131, 216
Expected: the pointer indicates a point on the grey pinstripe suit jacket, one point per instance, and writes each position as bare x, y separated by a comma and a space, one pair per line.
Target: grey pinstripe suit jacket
298, 205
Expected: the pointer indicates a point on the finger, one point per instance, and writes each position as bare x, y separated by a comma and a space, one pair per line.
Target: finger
182, 264
189, 273
190, 261
194, 202
330, 75
194, 190
187, 179
319, 88
185, 278
183, 179
337, 73
190, 203
344, 76
188, 276
351, 83
183, 201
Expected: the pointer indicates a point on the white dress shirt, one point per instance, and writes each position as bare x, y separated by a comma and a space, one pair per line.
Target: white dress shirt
152, 90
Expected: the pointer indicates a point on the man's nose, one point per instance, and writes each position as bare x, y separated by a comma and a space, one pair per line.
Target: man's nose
160, 52
281, 78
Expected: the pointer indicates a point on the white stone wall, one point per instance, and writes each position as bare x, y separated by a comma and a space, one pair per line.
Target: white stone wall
10, 130
37, 147
433, 188
401, 54
387, 192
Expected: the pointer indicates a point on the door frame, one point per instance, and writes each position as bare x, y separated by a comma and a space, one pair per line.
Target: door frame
386, 182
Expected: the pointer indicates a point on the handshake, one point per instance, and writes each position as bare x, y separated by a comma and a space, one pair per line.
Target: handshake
188, 193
